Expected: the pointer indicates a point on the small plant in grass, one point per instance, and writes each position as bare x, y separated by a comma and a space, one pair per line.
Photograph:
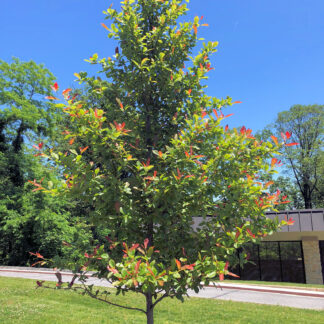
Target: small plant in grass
148, 152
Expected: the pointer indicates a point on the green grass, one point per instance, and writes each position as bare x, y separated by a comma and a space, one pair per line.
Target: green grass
275, 283
22, 303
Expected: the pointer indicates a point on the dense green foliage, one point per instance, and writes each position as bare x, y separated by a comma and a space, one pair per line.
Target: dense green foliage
28, 221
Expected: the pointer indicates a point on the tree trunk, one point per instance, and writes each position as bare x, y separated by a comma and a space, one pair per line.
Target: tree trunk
307, 196
149, 309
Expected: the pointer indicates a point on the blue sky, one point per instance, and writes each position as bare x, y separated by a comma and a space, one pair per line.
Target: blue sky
270, 51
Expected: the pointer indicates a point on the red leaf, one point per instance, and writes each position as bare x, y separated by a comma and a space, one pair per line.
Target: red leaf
288, 135
40, 188
83, 149
104, 26
221, 276
51, 98
134, 247
39, 256
96, 113
39, 146
66, 91
250, 233
268, 184
189, 91
243, 130
179, 174
275, 139
189, 266
289, 221
137, 266
55, 86
292, 144
195, 29
113, 270
146, 242
273, 162
150, 270
120, 104
178, 264
236, 102
71, 141
233, 275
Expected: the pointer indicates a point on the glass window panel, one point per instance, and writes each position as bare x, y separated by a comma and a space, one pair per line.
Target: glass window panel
292, 271
270, 270
251, 250
290, 251
250, 271
269, 251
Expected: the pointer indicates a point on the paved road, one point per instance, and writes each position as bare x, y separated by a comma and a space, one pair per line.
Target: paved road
233, 294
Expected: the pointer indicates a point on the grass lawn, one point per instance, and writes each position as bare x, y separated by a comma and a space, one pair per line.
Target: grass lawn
277, 284
22, 303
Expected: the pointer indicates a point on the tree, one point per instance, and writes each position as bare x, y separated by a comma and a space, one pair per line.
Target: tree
24, 113
28, 221
154, 156
306, 126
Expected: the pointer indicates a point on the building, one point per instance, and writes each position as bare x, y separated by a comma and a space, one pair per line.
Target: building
294, 254
299, 247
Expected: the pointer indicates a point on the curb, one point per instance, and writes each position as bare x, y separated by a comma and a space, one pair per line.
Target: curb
294, 292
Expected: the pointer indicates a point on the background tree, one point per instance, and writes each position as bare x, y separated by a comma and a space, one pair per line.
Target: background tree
28, 221
304, 163
154, 156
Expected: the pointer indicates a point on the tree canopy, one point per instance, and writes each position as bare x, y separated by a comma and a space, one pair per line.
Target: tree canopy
304, 163
28, 221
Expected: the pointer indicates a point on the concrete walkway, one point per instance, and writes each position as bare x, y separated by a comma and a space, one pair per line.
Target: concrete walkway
298, 298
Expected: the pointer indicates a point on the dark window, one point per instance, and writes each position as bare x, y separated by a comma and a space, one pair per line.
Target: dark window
251, 270
270, 261
321, 247
273, 261
292, 262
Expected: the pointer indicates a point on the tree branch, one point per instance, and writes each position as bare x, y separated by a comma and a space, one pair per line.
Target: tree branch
158, 300
111, 303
